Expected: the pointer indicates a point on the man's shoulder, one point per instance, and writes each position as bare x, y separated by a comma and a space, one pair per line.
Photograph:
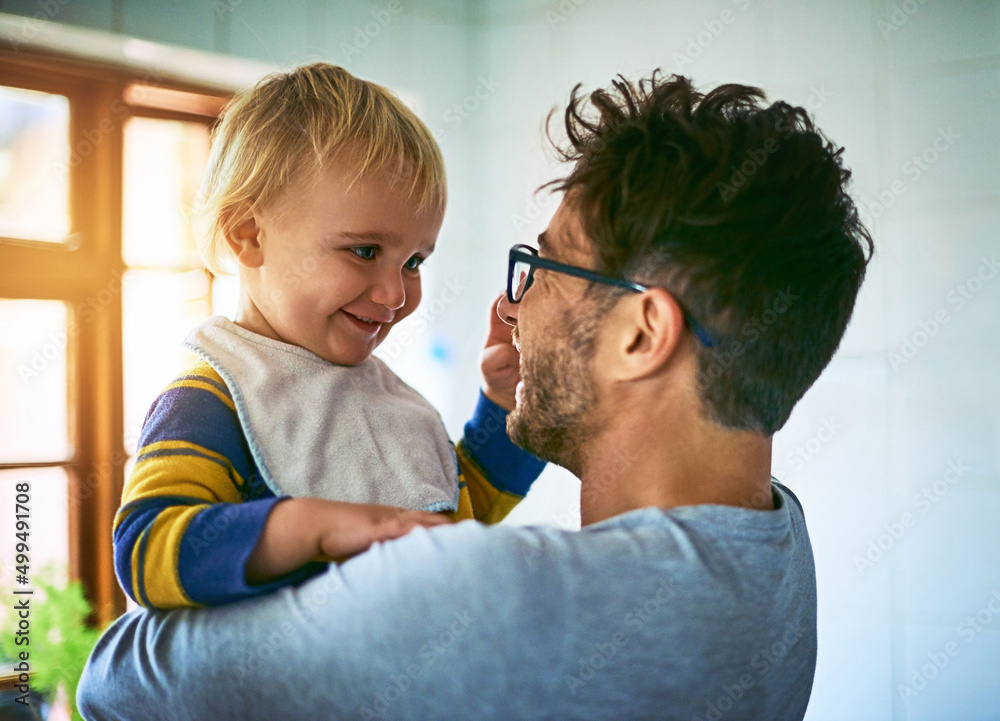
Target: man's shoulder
641, 591
688, 547
787, 492
535, 564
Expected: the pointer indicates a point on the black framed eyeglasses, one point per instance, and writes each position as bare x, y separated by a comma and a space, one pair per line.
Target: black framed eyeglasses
523, 260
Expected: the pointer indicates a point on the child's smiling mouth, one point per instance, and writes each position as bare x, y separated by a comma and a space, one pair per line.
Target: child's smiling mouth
364, 323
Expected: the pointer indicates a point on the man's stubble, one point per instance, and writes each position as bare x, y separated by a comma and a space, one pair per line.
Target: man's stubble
555, 418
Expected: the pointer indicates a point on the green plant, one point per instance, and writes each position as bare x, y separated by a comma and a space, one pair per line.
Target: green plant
60, 640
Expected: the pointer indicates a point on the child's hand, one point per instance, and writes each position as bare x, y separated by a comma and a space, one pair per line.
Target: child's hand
299, 530
500, 362
350, 528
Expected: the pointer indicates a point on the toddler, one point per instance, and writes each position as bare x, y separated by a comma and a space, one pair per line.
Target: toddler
289, 444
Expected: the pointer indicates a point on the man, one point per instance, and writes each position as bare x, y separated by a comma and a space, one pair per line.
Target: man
694, 282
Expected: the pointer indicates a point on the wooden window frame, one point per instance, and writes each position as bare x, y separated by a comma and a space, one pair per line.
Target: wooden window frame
84, 274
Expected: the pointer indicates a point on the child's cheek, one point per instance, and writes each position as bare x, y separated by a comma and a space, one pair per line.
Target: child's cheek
414, 293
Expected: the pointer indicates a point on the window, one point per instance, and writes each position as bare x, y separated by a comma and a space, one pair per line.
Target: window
99, 282
34, 151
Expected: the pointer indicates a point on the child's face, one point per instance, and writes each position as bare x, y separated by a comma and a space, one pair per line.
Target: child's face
332, 271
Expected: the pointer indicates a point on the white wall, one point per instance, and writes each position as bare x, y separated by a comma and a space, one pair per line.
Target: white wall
877, 430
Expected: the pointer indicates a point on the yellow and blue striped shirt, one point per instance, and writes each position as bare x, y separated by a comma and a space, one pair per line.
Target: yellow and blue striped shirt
195, 504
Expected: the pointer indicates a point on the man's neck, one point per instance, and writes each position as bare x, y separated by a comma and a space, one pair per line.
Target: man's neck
669, 460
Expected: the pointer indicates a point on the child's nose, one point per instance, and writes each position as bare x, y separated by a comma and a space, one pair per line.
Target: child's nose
388, 289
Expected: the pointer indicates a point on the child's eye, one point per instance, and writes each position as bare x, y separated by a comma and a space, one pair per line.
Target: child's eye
414, 262
365, 252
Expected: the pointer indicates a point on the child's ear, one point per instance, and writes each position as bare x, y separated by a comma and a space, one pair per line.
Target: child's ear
244, 241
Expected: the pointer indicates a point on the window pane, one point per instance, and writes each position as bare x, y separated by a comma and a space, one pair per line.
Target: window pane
33, 410
48, 523
34, 165
160, 308
164, 162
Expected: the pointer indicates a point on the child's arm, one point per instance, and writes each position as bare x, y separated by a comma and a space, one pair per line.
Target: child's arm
299, 530
495, 473
184, 531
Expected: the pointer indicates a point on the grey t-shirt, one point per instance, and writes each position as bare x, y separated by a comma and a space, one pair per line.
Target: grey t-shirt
695, 613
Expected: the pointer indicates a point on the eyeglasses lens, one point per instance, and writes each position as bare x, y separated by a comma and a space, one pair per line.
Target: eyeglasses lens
521, 274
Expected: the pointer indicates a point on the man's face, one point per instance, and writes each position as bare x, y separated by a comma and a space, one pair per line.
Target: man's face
556, 334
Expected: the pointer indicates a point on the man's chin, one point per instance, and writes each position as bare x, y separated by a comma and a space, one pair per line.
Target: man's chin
519, 431
548, 444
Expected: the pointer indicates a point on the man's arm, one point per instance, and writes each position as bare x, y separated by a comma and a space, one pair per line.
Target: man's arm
418, 628
652, 616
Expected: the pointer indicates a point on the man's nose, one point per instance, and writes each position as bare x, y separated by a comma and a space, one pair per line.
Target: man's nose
507, 310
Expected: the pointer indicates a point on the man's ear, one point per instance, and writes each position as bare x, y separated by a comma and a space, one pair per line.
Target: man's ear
645, 334
243, 239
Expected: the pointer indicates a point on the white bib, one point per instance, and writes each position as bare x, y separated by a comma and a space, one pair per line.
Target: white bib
345, 433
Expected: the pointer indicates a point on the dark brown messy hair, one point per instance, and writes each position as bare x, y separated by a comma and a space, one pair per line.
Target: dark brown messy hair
741, 211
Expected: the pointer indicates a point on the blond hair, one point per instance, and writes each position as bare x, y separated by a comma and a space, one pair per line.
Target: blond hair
287, 127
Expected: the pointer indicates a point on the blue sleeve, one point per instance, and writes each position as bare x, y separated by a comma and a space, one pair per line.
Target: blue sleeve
215, 550
508, 467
